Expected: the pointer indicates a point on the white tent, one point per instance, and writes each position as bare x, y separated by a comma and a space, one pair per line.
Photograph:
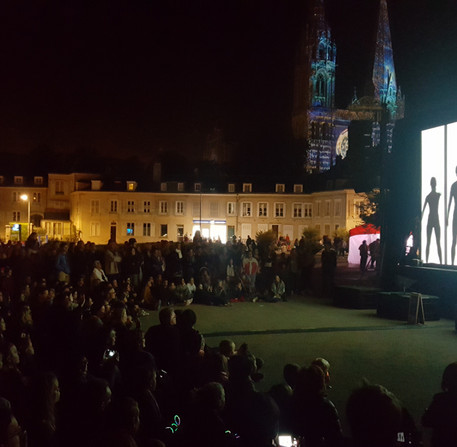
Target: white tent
357, 235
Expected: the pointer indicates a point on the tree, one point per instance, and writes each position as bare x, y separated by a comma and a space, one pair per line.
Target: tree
310, 242
265, 243
371, 209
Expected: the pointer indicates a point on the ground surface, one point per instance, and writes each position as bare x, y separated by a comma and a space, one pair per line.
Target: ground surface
408, 360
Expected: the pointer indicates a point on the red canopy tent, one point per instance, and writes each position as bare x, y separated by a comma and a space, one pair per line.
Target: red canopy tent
357, 235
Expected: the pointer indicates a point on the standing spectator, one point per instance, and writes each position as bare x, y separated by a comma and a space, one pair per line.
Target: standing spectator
375, 247
231, 272
132, 266
112, 261
250, 269
158, 264
363, 249
62, 264
328, 260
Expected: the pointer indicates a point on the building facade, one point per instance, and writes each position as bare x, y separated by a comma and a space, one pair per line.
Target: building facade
79, 206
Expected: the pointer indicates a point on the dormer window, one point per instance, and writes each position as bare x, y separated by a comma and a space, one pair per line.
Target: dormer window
280, 187
247, 187
298, 188
231, 187
163, 187
180, 187
38, 180
18, 180
131, 186
2, 179
197, 187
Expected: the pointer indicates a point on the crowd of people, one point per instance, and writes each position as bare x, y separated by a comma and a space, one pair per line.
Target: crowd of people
77, 368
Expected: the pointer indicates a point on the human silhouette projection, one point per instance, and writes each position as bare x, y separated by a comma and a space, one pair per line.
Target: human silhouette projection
433, 222
453, 196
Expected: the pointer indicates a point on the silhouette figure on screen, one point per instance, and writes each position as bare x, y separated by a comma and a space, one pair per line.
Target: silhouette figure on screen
453, 195
433, 222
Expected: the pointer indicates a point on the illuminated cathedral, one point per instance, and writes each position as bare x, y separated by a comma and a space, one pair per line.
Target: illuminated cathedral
316, 122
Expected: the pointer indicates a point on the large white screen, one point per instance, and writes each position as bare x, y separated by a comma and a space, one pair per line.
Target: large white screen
451, 192
433, 197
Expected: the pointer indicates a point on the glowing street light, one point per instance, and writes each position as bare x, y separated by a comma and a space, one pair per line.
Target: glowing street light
26, 198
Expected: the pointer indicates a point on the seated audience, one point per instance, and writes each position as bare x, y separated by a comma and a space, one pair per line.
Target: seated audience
441, 415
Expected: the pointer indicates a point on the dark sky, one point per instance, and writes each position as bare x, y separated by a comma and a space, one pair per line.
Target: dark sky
130, 77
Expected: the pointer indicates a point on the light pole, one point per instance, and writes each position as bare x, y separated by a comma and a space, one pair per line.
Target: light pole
26, 198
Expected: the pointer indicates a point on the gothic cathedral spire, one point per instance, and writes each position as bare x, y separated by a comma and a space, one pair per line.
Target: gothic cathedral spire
314, 89
384, 81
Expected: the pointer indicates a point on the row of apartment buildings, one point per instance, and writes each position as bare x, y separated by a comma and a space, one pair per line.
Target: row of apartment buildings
79, 206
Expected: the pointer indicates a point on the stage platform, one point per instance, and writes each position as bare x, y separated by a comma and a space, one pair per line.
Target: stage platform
396, 306
391, 305
356, 297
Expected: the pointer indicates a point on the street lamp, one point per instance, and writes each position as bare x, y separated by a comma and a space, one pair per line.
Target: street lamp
26, 198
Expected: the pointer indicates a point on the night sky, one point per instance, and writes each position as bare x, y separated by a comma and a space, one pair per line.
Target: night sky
132, 77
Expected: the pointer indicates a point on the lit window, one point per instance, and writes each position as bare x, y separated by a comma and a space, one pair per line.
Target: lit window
131, 186
147, 229
179, 207
130, 229
263, 209
180, 231
279, 209
130, 206
146, 206
298, 210
163, 207
246, 209
247, 187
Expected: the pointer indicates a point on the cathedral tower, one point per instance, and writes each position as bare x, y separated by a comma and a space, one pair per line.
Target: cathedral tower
314, 90
384, 81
